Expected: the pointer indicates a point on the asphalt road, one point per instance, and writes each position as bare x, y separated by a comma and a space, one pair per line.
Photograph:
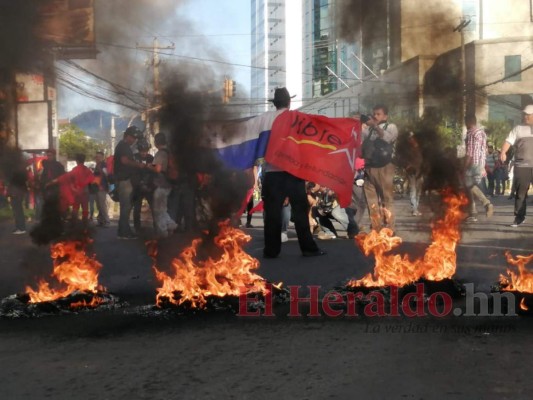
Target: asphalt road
128, 353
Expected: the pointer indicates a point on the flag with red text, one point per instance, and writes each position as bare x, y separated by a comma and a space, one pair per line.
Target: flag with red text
316, 148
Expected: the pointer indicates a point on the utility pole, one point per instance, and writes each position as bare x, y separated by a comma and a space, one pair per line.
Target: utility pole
460, 28
153, 126
113, 134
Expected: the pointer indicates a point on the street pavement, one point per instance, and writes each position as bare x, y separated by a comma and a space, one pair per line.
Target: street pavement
128, 354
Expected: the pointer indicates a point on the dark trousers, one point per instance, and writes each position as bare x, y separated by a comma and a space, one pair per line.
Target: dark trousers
17, 197
523, 177
138, 197
276, 187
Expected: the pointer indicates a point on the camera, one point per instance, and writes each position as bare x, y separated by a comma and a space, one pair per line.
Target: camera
365, 118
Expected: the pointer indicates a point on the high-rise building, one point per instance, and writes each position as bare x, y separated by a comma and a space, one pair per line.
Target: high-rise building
276, 50
329, 63
414, 60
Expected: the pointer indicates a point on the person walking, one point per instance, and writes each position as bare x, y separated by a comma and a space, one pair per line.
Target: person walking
378, 141
521, 137
277, 186
476, 150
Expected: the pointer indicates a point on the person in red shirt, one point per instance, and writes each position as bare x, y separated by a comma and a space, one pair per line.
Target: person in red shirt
74, 189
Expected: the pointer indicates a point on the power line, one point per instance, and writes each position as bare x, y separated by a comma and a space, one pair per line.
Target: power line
505, 77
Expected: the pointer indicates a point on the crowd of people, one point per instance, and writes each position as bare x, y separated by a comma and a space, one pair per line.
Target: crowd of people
135, 178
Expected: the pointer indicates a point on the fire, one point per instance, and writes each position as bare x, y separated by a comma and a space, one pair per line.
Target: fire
438, 262
521, 282
74, 270
228, 275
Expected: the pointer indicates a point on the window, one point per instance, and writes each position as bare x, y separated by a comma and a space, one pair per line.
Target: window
513, 65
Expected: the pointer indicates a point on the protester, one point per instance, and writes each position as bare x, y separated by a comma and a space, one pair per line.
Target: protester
123, 169
101, 179
277, 186
163, 223
51, 169
521, 137
491, 159
409, 157
476, 144
17, 191
74, 189
328, 209
500, 175
143, 184
378, 142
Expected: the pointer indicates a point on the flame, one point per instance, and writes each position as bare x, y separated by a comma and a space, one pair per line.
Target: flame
74, 270
523, 305
230, 274
438, 262
521, 282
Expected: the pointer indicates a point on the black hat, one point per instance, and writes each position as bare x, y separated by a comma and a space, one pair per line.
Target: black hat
133, 131
281, 95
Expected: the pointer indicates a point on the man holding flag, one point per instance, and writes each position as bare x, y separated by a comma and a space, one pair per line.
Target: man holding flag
277, 186
297, 147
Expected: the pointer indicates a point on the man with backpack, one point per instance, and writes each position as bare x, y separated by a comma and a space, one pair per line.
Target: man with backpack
378, 142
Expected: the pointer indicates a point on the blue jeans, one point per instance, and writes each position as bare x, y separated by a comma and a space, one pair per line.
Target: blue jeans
125, 191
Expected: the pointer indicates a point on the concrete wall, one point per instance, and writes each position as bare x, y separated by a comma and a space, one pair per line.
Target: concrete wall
505, 18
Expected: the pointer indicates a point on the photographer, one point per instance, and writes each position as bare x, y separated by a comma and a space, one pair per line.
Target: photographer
328, 209
378, 148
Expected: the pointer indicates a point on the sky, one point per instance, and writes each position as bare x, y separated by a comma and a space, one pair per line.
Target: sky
221, 25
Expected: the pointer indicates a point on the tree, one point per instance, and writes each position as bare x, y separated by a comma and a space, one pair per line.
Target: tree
497, 131
72, 140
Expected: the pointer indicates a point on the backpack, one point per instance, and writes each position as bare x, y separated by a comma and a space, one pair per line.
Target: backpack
377, 153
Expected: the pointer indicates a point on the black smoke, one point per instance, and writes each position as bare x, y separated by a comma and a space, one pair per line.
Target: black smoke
186, 109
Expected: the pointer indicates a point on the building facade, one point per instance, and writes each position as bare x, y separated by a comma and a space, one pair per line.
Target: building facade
276, 50
413, 59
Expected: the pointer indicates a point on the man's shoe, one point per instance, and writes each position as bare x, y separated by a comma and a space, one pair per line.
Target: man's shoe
471, 219
517, 223
490, 210
315, 253
19, 232
284, 237
249, 225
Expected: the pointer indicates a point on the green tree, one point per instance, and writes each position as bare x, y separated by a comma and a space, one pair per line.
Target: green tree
72, 140
497, 131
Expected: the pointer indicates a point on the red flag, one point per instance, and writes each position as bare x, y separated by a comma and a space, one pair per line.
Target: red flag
316, 148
